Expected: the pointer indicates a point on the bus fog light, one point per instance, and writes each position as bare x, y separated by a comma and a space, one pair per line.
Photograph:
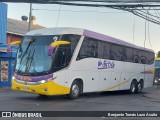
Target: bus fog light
17, 88
46, 89
33, 90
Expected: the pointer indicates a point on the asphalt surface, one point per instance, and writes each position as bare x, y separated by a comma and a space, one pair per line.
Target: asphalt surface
148, 100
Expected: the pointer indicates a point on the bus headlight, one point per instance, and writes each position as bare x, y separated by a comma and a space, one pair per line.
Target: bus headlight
44, 81
13, 78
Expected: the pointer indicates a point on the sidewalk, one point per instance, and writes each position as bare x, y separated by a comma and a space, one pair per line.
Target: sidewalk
153, 92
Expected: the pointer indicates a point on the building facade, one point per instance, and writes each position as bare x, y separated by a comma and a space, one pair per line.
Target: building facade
16, 29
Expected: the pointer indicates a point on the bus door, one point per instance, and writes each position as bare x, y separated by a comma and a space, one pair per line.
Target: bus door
61, 60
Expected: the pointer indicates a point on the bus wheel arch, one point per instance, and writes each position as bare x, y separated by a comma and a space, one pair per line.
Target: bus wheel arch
76, 89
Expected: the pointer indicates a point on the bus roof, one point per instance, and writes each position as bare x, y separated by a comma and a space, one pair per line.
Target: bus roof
88, 33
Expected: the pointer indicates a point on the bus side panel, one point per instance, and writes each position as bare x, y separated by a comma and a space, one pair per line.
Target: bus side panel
76, 75
61, 80
149, 75
87, 70
125, 81
105, 79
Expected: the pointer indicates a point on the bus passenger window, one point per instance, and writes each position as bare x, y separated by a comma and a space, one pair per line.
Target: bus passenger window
136, 60
123, 54
88, 49
137, 55
143, 60
104, 50
129, 54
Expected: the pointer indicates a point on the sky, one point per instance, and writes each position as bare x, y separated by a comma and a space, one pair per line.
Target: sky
116, 23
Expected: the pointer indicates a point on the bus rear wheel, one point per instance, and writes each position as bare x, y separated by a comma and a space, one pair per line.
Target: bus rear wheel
139, 87
133, 87
74, 90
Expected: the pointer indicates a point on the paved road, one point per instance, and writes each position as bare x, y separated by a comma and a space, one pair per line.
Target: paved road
109, 101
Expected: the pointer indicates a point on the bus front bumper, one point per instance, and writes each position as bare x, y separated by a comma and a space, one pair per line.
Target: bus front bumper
48, 88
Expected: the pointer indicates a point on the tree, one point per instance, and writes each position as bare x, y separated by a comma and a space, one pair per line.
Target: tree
158, 55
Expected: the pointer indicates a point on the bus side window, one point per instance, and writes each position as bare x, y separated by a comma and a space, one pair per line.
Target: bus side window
88, 49
143, 60
92, 48
112, 53
123, 54
150, 57
106, 50
129, 54
144, 57
136, 60
137, 54
116, 52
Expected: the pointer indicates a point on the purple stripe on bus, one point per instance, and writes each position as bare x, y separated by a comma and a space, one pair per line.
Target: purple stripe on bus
33, 79
146, 72
103, 37
50, 50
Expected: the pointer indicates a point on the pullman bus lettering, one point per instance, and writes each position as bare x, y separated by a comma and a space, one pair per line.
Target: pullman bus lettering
105, 64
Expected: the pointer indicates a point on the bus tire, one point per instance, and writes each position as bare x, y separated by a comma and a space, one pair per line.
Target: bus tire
139, 87
133, 87
74, 90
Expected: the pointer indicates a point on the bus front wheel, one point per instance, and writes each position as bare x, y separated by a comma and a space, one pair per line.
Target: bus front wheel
74, 90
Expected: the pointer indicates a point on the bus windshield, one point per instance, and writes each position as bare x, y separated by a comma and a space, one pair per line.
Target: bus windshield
32, 57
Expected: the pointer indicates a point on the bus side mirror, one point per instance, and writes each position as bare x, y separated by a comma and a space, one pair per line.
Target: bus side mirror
53, 45
11, 44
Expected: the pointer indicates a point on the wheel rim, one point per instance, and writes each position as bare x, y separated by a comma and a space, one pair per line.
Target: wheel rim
139, 87
75, 90
133, 88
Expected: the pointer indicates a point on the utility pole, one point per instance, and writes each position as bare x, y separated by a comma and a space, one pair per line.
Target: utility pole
30, 18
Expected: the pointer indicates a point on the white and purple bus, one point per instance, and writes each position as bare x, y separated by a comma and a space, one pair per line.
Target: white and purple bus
71, 61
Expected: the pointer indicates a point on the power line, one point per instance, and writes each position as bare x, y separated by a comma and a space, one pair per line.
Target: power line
149, 35
103, 1
133, 28
78, 11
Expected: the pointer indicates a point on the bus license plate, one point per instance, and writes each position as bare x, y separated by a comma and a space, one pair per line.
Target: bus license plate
25, 88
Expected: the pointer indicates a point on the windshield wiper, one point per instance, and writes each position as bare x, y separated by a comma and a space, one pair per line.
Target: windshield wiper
29, 60
25, 52
22, 60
